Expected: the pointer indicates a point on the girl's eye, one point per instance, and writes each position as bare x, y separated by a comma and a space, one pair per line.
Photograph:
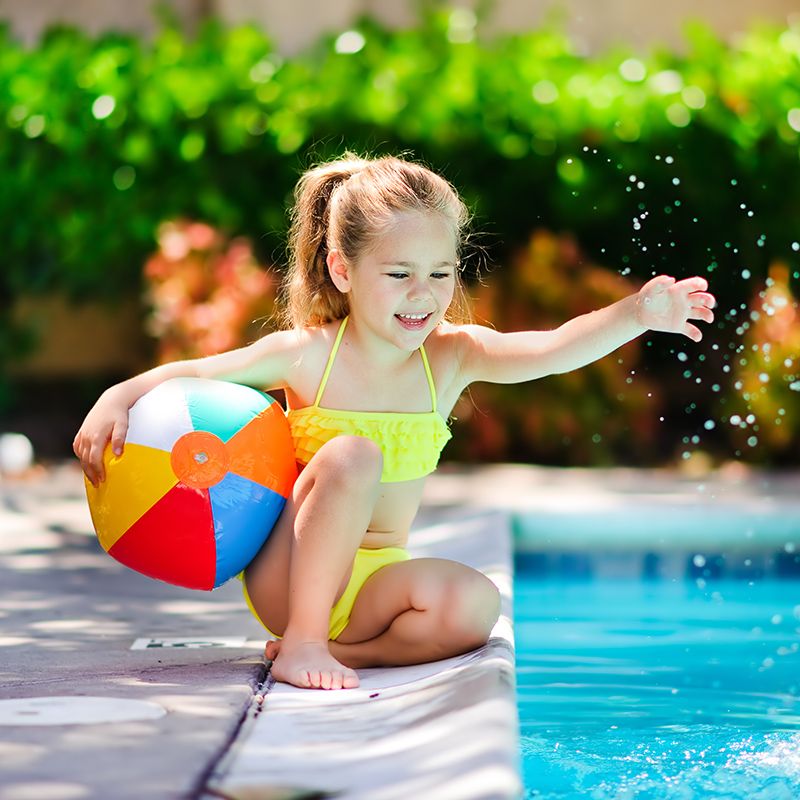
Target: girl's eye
436, 275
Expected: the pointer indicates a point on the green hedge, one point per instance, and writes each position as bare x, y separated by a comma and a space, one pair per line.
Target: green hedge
680, 163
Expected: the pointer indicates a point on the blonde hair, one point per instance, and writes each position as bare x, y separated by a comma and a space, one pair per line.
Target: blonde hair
346, 204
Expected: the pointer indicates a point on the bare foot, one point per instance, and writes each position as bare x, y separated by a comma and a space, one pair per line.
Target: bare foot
310, 666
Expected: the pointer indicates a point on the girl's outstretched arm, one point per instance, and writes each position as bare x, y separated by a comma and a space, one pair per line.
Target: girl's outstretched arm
265, 363
662, 304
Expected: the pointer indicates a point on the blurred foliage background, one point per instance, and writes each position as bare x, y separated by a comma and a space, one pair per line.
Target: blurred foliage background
587, 175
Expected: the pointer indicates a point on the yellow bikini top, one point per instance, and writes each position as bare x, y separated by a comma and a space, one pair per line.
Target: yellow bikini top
411, 441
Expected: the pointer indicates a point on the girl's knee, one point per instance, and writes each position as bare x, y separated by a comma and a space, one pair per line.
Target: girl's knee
350, 460
470, 608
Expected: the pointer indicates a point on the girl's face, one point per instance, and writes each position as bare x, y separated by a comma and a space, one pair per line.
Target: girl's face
402, 287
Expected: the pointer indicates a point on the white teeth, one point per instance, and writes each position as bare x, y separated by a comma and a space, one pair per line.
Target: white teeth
412, 316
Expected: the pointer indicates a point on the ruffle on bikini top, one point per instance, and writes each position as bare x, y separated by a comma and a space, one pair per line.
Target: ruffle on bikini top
411, 442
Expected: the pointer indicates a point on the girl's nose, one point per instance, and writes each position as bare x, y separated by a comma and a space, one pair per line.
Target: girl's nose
418, 290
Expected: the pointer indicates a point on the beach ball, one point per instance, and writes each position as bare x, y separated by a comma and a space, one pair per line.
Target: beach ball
204, 474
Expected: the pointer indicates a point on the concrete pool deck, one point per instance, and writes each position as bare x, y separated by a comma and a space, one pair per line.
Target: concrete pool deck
70, 616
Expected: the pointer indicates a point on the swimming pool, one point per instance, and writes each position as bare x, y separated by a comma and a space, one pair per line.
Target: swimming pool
662, 687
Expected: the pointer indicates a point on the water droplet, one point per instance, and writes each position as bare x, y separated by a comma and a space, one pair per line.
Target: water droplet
709, 424
682, 356
752, 441
745, 273
699, 560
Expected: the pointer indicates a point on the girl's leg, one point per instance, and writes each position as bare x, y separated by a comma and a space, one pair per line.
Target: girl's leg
305, 564
416, 611
431, 609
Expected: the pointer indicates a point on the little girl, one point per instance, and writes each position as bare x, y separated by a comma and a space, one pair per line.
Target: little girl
372, 366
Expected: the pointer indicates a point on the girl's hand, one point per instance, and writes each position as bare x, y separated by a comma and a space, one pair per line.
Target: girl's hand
107, 421
666, 305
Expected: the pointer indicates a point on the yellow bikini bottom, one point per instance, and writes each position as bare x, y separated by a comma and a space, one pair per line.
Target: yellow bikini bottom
366, 563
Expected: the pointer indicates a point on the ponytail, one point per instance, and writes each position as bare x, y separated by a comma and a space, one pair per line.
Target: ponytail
310, 297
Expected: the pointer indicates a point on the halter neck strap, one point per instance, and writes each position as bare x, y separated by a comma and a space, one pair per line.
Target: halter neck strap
331, 357
337, 341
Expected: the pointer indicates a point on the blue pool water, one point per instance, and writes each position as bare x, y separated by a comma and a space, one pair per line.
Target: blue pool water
667, 689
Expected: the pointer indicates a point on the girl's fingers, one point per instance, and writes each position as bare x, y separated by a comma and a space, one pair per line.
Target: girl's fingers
701, 312
88, 470
96, 462
118, 437
660, 282
692, 331
696, 284
703, 298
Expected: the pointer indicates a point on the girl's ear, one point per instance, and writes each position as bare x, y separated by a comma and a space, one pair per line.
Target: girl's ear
338, 270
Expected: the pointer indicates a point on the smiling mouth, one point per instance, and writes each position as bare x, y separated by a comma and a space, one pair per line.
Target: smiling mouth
413, 321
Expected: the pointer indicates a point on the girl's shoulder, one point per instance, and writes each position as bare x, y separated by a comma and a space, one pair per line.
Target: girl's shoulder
312, 346
450, 345
314, 340
456, 348
454, 340
449, 348
292, 349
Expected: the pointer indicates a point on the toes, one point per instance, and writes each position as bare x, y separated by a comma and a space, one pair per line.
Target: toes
271, 651
326, 680
350, 680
